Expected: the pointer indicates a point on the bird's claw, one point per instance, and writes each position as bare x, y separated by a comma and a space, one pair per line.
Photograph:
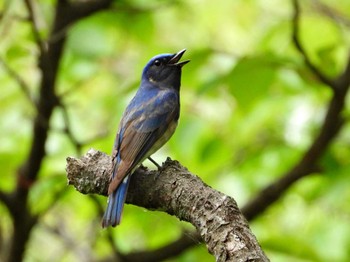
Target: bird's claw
155, 163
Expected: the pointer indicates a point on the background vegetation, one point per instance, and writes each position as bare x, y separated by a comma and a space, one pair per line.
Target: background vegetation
253, 102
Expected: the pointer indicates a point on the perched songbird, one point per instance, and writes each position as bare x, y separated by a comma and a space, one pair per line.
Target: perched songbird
146, 125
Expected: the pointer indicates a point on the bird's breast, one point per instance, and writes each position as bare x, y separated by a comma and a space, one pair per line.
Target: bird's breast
165, 137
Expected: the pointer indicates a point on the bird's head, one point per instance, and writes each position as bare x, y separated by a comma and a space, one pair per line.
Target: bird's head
165, 70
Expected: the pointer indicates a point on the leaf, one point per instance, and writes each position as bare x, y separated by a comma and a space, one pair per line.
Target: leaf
251, 79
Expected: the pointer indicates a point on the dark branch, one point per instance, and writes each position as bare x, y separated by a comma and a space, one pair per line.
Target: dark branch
5, 198
301, 49
178, 192
173, 249
343, 81
308, 163
185, 241
66, 13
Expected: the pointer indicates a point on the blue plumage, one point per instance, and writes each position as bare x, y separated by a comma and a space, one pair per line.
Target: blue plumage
148, 122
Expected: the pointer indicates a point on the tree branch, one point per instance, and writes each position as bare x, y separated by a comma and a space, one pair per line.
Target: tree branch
333, 13
32, 19
66, 13
332, 123
178, 192
20, 81
185, 241
307, 165
343, 80
5, 198
171, 250
301, 49
68, 128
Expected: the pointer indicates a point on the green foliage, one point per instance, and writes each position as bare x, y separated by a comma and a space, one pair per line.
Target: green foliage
250, 108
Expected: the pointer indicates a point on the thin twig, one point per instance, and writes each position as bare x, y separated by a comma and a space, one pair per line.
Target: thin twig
56, 36
4, 10
20, 81
68, 129
100, 210
296, 28
69, 132
134, 9
56, 196
35, 27
83, 252
76, 86
332, 13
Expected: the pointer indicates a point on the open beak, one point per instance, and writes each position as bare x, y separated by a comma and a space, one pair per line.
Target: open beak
174, 61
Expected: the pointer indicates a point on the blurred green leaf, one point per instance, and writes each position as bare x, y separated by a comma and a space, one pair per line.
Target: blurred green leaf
251, 79
44, 194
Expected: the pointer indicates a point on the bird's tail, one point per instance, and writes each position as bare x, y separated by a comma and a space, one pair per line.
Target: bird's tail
115, 204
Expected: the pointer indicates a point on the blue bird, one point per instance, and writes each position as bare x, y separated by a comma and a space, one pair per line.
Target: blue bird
146, 125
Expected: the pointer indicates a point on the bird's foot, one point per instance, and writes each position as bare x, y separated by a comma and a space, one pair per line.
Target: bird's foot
155, 163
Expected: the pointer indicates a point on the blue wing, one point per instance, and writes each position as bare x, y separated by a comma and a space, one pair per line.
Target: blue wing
142, 127
145, 126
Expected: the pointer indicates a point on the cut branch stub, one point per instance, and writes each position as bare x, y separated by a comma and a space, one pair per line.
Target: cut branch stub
90, 174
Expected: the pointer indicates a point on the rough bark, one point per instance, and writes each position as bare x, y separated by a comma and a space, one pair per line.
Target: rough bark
175, 190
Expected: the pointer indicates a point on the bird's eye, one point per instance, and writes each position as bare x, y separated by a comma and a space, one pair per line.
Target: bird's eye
157, 63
